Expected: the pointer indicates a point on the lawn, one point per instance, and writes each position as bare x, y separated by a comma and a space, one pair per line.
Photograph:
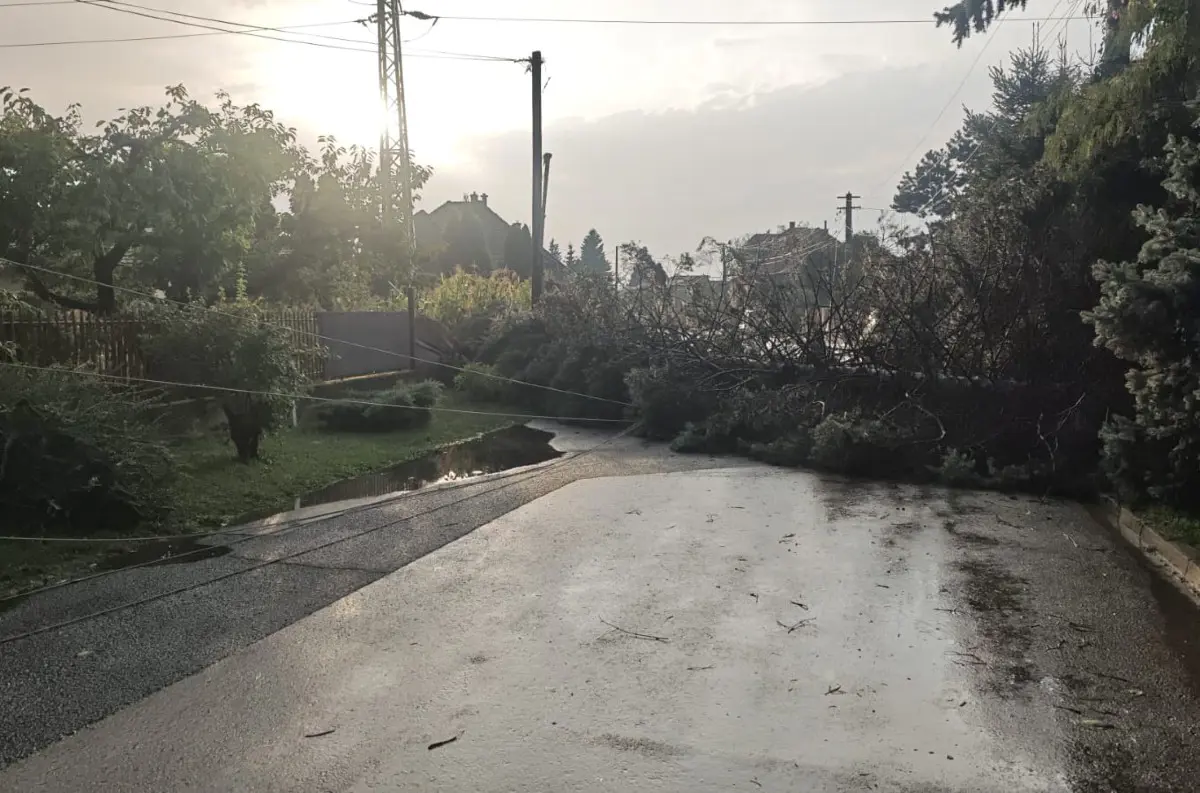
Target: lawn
215, 490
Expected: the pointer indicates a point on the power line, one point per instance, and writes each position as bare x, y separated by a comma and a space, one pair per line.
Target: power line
950, 100
698, 22
368, 348
943, 194
274, 531
288, 557
285, 395
254, 31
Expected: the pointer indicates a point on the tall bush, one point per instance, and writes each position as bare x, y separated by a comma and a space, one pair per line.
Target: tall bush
231, 349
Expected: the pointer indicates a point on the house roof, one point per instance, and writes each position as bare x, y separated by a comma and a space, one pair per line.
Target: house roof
431, 226
785, 250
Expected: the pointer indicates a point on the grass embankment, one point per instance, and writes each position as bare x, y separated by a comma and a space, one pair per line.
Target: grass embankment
1172, 524
215, 490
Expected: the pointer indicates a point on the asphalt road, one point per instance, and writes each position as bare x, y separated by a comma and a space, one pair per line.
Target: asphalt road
736, 629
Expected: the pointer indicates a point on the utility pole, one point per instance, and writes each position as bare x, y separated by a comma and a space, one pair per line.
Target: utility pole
394, 150
849, 208
538, 269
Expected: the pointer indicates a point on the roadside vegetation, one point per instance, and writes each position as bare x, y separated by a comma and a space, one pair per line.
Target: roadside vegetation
1026, 322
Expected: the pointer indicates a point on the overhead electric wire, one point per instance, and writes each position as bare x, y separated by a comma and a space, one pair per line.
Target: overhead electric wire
943, 195
367, 347
698, 22
286, 395
287, 557
949, 101
246, 29
250, 534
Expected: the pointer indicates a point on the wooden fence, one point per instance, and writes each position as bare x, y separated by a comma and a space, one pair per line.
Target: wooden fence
110, 344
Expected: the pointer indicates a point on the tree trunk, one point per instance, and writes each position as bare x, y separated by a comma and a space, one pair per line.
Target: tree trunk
244, 431
103, 269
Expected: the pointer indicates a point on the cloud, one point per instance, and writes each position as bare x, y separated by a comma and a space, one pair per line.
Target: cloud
726, 168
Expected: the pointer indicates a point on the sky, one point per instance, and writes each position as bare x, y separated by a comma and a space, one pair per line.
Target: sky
661, 134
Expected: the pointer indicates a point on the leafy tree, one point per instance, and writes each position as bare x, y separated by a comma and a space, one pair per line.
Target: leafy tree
518, 250
554, 250
173, 194
1147, 317
330, 248
591, 255
231, 349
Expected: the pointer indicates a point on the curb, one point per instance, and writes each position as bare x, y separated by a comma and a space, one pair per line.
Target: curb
1182, 560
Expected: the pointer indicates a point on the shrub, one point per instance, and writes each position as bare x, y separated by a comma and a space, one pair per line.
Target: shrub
957, 469
665, 402
79, 453
399, 408
468, 303
849, 444
230, 349
479, 382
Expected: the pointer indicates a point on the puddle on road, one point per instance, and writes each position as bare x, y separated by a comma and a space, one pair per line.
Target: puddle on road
497, 451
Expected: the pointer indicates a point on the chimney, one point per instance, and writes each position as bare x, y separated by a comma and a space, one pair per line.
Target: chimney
474, 197
792, 225
483, 197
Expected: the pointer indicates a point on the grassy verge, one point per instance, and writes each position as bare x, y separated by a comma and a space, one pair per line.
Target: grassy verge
215, 490
1172, 524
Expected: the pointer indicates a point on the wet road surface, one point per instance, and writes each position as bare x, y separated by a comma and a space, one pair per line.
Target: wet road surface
736, 629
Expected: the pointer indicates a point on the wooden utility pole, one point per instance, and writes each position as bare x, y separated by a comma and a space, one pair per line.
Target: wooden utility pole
538, 269
394, 149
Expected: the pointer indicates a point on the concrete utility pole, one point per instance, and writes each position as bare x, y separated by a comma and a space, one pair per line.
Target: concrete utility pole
394, 150
849, 208
538, 270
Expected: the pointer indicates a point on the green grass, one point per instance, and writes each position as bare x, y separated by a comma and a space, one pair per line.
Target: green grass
1172, 524
215, 490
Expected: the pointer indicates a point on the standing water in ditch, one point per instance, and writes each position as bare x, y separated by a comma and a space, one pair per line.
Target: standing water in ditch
487, 454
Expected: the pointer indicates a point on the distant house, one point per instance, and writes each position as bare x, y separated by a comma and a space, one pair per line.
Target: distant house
795, 257
432, 227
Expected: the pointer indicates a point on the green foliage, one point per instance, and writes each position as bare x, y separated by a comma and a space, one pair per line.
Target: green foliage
665, 402
399, 408
858, 446
468, 304
1147, 317
79, 454
234, 350
518, 251
957, 469
480, 382
592, 259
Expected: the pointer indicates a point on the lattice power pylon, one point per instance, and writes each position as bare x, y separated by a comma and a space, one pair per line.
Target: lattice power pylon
395, 161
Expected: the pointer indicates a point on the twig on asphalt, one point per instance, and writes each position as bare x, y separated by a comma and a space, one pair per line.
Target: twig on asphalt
834, 690
701, 668
440, 744
799, 624
883, 586
755, 596
1072, 539
636, 634
321, 734
798, 603
755, 782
